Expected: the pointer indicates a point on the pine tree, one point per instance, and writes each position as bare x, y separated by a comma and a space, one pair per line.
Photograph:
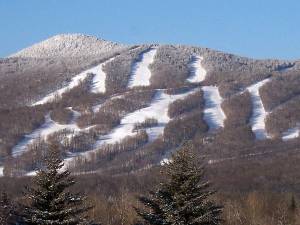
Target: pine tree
184, 199
50, 202
6, 210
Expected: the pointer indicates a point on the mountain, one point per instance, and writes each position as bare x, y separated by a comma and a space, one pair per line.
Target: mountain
115, 108
68, 45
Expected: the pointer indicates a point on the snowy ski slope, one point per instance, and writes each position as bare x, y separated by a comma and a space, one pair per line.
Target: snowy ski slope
291, 134
259, 113
98, 85
197, 72
213, 113
158, 109
49, 127
141, 74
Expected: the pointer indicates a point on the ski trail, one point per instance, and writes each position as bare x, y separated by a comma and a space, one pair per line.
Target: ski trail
291, 134
49, 127
198, 73
213, 113
141, 74
98, 83
259, 113
158, 109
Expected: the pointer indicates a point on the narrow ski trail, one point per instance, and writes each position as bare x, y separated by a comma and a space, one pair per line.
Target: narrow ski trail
197, 72
213, 112
98, 85
141, 74
49, 127
259, 114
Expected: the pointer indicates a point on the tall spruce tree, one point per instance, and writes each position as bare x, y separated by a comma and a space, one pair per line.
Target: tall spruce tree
50, 202
184, 198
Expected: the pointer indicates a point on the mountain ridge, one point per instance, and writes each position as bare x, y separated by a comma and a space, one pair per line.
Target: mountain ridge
68, 45
83, 91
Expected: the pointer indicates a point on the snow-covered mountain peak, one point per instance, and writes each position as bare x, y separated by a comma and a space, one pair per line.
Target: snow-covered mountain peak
68, 45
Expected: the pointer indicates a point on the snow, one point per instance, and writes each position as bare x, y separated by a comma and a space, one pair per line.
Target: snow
165, 161
1, 171
99, 78
98, 83
141, 73
74, 82
213, 113
32, 173
198, 73
69, 45
49, 127
291, 134
158, 109
259, 113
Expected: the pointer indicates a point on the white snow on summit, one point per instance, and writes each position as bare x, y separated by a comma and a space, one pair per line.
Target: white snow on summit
141, 74
198, 73
259, 113
69, 45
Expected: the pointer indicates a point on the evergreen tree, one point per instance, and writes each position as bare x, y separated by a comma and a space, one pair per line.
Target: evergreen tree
50, 202
6, 210
184, 198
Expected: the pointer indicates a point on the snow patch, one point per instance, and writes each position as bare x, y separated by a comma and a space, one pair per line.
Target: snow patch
98, 83
49, 127
58, 93
141, 73
259, 113
198, 73
165, 161
99, 77
1, 171
213, 113
158, 109
291, 134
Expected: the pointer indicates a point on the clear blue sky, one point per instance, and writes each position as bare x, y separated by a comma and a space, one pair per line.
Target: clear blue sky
255, 28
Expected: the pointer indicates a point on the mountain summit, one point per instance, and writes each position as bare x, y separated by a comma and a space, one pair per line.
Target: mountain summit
68, 45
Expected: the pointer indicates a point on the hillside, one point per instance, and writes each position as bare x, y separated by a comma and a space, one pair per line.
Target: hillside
117, 109
68, 45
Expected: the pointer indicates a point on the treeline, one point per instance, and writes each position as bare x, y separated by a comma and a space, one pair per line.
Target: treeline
246, 200
170, 67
